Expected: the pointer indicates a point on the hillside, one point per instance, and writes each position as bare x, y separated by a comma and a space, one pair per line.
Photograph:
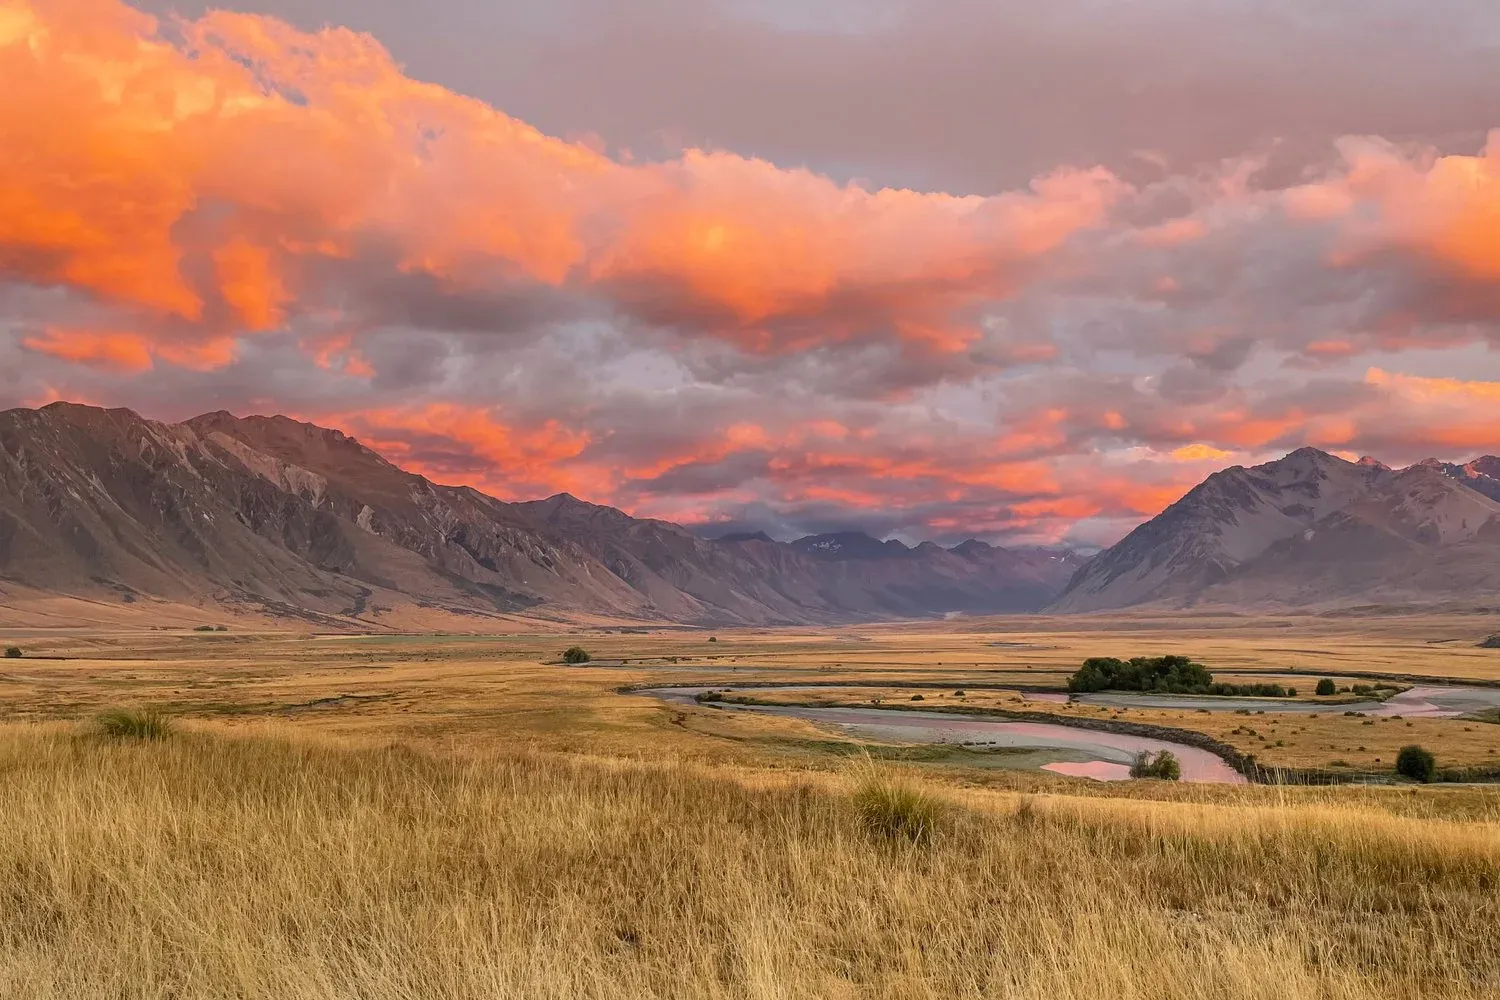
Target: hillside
271, 517
1307, 530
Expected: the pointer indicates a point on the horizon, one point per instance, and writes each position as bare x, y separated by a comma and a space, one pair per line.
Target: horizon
867, 299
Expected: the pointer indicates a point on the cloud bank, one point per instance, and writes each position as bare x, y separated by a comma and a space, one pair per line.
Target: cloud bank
228, 211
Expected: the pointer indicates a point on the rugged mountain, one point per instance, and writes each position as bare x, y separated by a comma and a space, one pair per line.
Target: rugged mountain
1306, 530
267, 515
851, 569
1482, 474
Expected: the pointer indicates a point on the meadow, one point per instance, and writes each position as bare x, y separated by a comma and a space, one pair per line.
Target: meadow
463, 816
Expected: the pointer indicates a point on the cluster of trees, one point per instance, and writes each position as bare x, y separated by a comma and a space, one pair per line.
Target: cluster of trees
1164, 675
1162, 766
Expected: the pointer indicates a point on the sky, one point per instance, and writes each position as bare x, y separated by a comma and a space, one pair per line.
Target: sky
1025, 272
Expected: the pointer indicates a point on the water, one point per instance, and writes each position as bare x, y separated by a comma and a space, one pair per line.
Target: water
1422, 702
1107, 756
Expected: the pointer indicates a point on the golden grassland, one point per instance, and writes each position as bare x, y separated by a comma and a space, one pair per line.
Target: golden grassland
263, 861
415, 816
509, 687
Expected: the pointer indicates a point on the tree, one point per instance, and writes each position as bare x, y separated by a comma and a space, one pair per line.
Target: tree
576, 654
1415, 763
1164, 766
12, 652
1326, 686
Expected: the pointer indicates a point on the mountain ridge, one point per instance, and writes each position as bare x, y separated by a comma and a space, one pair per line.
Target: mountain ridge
1309, 529
266, 515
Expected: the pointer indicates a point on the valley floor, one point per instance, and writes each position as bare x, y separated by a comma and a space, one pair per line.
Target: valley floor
461, 816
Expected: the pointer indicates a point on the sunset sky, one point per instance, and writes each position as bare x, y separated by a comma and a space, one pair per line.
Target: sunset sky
1022, 271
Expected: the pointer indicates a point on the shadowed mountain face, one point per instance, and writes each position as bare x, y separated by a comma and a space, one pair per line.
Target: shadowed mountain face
1309, 530
268, 515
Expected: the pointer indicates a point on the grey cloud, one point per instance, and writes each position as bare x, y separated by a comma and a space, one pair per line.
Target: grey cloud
964, 95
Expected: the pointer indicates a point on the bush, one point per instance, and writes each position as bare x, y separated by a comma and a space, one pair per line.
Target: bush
576, 654
1164, 766
12, 652
135, 724
1415, 763
713, 638
918, 697
893, 810
1326, 687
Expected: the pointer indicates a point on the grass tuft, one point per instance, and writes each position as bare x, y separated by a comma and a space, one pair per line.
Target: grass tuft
135, 724
891, 808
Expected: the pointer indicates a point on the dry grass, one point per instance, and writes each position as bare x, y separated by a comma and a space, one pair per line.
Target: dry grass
266, 864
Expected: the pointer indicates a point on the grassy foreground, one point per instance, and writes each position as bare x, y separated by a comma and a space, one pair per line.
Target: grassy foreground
266, 864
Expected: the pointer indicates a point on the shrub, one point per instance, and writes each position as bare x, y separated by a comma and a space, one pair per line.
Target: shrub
135, 724
707, 696
1415, 763
1327, 687
12, 652
959, 693
576, 654
1164, 766
918, 697
713, 638
893, 810
203, 628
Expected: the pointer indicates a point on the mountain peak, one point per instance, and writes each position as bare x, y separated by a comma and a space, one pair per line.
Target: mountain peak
746, 536
1370, 462
849, 545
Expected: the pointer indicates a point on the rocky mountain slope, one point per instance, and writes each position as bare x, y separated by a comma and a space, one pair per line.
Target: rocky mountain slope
269, 516
1308, 530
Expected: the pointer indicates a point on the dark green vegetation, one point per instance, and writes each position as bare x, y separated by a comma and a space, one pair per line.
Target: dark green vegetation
1163, 766
1163, 675
135, 724
1417, 764
12, 652
576, 654
1326, 686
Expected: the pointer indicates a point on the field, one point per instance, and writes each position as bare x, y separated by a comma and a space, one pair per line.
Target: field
462, 816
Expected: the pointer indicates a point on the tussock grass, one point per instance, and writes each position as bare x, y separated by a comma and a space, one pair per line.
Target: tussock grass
255, 863
893, 807
135, 724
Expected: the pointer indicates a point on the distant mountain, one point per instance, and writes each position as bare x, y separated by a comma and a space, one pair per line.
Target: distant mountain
1482, 474
1308, 530
268, 516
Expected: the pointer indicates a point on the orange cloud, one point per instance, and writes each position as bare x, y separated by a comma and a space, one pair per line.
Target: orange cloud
475, 446
121, 352
199, 179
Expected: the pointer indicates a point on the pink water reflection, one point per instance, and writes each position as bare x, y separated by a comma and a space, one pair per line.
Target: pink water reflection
1099, 770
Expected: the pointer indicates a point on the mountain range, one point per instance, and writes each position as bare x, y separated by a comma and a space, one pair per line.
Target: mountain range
272, 518
269, 518
1309, 531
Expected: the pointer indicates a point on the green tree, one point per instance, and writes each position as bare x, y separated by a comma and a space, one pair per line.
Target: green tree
1164, 766
576, 654
1326, 686
13, 652
1415, 763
